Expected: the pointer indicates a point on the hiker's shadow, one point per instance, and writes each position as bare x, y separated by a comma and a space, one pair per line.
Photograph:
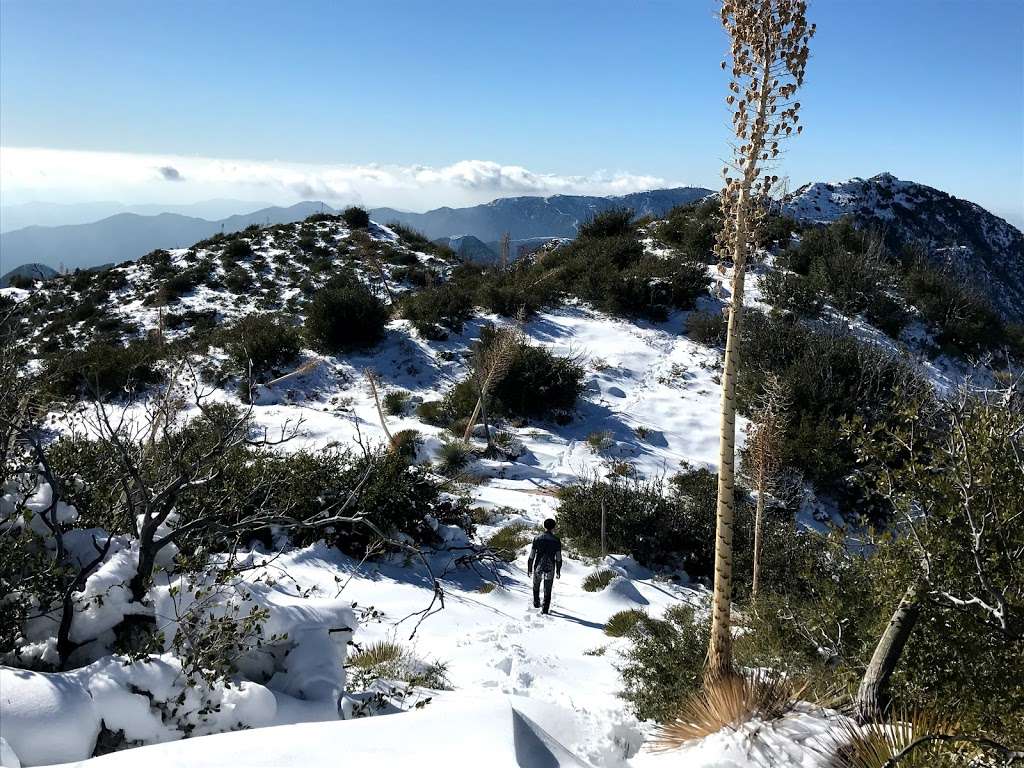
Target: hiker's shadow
577, 620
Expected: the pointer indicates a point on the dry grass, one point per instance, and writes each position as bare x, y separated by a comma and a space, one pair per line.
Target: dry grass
728, 702
878, 744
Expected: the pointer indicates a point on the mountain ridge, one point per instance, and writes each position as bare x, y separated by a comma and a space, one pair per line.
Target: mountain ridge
959, 233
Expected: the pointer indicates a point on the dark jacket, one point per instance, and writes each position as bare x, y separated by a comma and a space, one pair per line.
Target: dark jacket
546, 554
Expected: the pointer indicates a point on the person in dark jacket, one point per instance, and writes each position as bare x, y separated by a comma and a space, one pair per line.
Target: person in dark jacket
545, 564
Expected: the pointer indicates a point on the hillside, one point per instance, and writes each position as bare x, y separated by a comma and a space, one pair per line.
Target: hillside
612, 405
985, 249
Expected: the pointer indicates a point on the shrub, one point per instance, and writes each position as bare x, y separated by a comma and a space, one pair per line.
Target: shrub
432, 412
665, 663
406, 443
621, 622
438, 309
964, 318
706, 327
266, 341
238, 279
791, 292
692, 229
453, 455
344, 316
103, 369
539, 384
612, 223
355, 217
237, 249
598, 580
395, 402
509, 540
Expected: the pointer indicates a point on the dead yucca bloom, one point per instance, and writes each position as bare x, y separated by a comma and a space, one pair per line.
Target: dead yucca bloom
728, 701
914, 739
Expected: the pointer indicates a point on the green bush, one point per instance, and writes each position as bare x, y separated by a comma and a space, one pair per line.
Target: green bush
406, 443
537, 385
265, 341
598, 580
621, 623
238, 279
237, 249
965, 320
395, 402
641, 520
508, 541
453, 456
355, 217
791, 292
344, 316
692, 228
103, 369
828, 376
435, 311
432, 412
616, 222
665, 663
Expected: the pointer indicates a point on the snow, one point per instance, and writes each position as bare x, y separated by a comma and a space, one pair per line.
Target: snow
491, 731
45, 718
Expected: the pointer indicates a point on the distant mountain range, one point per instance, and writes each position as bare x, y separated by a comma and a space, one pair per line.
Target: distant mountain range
128, 235
534, 217
58, 214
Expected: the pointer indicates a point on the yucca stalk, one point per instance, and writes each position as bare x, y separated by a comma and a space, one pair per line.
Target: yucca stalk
764, 443
769, 51
489, 367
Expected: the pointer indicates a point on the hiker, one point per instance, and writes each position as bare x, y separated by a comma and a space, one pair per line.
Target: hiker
545, 563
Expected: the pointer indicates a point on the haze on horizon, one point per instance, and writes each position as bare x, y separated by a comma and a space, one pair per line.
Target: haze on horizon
415, 106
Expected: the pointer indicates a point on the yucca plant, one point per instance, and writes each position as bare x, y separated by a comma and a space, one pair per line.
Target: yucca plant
909, 739
598, 580
453, 455
619, 624
728, 701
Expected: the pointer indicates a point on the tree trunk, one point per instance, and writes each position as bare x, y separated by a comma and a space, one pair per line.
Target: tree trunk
873, 697
758, 524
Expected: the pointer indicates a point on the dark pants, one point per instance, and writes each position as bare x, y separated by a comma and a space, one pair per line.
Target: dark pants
548, 577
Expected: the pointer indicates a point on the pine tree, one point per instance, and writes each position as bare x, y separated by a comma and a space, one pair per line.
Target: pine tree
769, 51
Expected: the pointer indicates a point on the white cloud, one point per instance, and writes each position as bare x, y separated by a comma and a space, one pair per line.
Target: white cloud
80, 176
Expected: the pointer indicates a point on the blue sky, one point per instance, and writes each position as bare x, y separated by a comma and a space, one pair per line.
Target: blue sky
584, 96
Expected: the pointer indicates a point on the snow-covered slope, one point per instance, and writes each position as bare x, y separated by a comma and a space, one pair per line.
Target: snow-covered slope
984, 247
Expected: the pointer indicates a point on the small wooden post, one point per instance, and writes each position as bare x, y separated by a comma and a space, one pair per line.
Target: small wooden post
604, 541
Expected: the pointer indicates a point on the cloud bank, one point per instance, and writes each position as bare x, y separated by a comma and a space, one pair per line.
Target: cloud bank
79, 176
